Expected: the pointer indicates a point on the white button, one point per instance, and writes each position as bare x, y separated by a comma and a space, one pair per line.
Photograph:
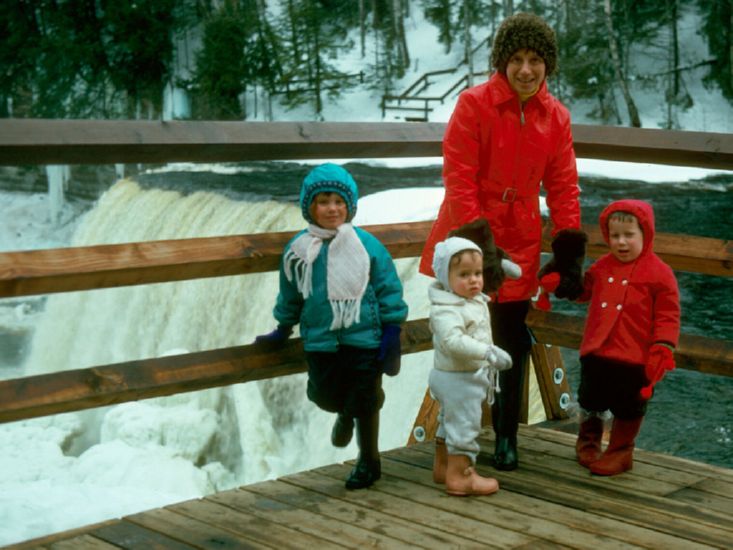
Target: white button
618, 307
604, 304
610, 279
624, 282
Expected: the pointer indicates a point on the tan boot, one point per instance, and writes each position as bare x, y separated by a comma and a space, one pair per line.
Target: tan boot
462, 480
440, 462
619, 455
588, 444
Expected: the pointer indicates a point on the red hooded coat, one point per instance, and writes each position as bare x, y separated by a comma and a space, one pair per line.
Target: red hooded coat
632, 304
495, 154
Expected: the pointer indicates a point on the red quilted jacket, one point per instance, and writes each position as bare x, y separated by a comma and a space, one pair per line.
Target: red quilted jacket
495, 156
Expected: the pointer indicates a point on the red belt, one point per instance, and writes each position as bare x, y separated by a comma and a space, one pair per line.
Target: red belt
509, 194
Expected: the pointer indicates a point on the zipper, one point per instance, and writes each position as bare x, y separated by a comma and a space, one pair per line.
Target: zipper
521, 113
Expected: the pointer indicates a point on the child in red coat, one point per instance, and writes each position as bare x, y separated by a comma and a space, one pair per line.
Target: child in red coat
631, 330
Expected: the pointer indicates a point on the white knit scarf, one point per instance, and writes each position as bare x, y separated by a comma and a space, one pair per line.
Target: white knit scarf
347, 269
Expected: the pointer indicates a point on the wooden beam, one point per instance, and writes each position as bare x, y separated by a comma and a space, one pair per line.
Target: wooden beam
682, 252
45, 141
79, 389
679, 148
708, 355
39, 141
106, 266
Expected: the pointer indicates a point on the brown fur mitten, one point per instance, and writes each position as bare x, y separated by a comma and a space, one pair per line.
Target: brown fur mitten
568, 255
480, 233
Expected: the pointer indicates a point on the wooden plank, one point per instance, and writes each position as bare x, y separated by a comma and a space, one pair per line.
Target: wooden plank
426, 522
407, 532
252, 527
305, 521
39, 141
716, 486
571, 518
543, 455
704, 499
552, 380
716, 479
33, 272
82, 542
128, 535
184, 528
633, 489
44, 141
49, 540
416, 484
654, 146
80, 389
656, 517
107, 266
682, 252
431, 507
699, 353
426, 421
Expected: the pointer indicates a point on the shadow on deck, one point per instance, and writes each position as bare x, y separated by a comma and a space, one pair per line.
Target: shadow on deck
550, 501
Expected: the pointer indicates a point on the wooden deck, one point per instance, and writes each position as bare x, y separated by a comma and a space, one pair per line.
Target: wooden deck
550, 501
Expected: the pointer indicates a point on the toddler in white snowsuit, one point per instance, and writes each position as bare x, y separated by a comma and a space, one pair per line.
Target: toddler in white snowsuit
466, 364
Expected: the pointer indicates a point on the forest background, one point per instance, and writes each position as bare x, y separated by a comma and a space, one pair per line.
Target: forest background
120, 59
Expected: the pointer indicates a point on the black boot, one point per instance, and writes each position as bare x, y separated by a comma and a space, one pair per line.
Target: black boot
511, 334
368, 468
505, 415
342, 430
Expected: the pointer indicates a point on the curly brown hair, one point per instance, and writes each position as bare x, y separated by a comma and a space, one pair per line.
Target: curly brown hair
524, 30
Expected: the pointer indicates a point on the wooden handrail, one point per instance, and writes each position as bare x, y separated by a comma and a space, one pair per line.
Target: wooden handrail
79, 389
43, 141
708, 355
105, 266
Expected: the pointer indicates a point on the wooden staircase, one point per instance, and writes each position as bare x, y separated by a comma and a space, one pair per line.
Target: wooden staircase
416, 107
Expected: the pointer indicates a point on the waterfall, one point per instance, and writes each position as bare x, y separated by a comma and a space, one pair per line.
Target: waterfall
230, 435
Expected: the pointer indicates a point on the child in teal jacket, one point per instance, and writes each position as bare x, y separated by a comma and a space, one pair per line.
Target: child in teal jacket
339, 283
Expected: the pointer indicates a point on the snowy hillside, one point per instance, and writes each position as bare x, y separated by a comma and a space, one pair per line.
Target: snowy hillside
710, 111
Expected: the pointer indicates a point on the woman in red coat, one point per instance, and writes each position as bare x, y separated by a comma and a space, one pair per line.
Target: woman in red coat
631, 330
505, 139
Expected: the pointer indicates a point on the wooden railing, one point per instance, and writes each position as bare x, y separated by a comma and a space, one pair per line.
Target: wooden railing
72, 269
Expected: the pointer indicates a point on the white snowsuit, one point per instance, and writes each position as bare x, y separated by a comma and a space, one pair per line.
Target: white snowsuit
461, 377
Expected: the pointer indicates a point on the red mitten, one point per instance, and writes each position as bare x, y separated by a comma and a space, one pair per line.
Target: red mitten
548, 284
660, 361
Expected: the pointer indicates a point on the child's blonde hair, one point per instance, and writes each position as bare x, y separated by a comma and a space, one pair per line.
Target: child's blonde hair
624, 216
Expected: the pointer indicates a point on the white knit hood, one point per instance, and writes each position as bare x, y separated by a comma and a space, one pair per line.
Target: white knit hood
444, 251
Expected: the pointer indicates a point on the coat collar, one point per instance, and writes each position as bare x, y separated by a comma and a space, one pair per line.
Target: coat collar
439, 296
502, 92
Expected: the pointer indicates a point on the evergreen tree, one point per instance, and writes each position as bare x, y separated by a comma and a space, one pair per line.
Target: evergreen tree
718, 32
221, 66
317, 31
19, 50
137, 39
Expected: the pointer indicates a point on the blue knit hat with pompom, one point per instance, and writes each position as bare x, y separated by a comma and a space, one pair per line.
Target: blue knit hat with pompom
328, 178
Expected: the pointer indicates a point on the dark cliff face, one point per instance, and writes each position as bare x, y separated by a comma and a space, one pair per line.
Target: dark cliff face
87, 182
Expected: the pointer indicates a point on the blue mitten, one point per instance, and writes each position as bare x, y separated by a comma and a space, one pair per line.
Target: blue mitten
390, 350
276, 338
